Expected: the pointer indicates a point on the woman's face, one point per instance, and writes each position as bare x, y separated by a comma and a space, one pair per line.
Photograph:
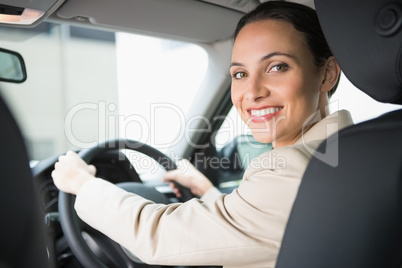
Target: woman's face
275, 84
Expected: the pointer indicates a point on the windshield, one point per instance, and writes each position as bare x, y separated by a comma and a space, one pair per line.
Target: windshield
86, 86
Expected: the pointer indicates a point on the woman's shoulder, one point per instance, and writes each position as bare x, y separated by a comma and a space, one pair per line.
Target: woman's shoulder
285, 160
293, 159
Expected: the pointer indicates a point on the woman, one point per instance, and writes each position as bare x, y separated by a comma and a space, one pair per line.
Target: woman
282, 75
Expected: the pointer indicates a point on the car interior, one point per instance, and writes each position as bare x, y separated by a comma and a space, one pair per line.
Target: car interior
345, 215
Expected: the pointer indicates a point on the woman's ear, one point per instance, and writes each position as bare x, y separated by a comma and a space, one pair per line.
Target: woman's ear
331, 74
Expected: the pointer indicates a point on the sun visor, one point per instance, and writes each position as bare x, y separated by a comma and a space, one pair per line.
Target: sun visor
26, 13
193, 21
366, 39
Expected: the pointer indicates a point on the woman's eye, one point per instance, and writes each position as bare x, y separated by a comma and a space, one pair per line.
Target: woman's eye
240, 75
279, 68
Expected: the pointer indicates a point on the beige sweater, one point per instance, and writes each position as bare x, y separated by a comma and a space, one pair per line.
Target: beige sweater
241, 229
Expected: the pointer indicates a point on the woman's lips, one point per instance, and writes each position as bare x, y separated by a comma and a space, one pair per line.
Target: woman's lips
263, 114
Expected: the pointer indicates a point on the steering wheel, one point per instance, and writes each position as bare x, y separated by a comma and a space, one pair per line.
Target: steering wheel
73, 227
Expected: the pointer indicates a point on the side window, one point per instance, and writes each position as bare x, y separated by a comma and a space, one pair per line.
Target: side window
234, 149
235, 135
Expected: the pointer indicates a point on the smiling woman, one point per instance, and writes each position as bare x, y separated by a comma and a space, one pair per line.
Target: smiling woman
280, 89
276, 91
90, 86
288, 78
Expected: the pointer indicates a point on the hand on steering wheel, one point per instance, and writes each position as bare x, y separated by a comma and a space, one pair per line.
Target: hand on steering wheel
73, 227
189, 177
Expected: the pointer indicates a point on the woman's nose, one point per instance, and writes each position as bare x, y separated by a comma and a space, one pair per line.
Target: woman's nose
256, 89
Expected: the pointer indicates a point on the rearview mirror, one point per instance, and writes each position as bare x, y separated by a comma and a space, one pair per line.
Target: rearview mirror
12, 67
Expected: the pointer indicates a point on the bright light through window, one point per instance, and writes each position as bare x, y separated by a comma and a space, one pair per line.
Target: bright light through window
360, 105
157, 82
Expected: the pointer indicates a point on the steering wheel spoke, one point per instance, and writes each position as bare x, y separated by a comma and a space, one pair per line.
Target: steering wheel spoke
108, 251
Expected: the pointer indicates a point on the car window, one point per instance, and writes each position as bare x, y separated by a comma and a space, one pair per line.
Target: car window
158, 80
231, 127
360, 105
85, 86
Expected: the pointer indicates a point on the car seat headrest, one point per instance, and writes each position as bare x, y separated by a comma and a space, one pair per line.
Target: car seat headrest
366, 39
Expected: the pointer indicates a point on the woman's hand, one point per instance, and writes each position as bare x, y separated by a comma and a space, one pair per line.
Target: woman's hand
71, 172
188, 176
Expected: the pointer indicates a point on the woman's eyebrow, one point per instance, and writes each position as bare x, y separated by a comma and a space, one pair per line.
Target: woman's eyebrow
270, 55
236, 64
273, 54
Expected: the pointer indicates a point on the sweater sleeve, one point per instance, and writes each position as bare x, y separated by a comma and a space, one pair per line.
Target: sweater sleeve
211, 194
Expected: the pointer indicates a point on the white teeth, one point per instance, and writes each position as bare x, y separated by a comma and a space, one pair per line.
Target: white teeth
266, 111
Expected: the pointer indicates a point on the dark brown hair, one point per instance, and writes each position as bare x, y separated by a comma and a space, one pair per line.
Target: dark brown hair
303, 18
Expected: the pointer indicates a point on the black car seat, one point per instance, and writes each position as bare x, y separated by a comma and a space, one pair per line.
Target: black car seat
22, 238
350, 214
